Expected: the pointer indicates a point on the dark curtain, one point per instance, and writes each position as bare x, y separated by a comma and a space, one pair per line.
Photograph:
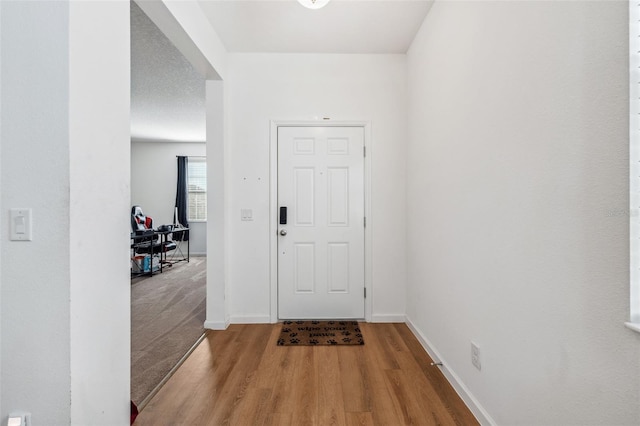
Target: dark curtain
181, 199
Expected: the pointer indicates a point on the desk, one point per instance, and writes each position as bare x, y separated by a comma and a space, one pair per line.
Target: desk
177, 255
147, 244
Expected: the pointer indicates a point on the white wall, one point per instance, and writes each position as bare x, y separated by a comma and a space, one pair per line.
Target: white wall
35, 173
154, 174
217, 232
518, 152
65, 141
264, 87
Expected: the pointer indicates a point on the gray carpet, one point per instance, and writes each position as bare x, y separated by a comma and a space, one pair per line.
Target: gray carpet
167, 318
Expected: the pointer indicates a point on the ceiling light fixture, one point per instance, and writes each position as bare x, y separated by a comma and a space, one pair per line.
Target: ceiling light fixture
313, 4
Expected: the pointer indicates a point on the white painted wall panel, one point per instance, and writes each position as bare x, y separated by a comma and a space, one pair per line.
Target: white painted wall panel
338, 197
518, 154
99, 152
2, 232
304, 188
304, 267
337, 146
304, 146
338, 267
35, 173
153, 183
217, 201
264, 87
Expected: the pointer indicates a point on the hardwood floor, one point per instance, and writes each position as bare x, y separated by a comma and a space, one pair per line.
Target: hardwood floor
241, 377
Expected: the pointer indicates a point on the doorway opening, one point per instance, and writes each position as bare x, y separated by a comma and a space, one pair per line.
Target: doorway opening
168, 152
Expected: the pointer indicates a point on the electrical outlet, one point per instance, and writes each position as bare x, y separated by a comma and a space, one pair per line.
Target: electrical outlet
475, 355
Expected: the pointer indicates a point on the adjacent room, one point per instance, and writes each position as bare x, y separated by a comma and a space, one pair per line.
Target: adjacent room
168, 195
480, 152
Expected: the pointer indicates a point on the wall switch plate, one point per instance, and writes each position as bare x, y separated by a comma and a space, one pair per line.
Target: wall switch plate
475, 355
21, 225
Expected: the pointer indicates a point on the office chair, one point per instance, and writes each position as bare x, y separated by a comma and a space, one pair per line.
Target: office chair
142, 225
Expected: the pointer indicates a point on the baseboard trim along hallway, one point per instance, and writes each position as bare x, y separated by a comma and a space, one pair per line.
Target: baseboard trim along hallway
478, 411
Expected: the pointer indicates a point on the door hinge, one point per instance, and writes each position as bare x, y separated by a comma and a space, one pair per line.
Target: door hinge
365, 292
364, 221
364, 151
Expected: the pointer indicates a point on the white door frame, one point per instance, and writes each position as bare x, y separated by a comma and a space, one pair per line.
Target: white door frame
273, 206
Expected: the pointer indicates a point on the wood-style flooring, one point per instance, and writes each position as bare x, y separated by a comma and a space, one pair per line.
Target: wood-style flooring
239, 376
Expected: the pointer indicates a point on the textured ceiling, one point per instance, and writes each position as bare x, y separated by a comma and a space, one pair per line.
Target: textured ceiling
343, 26
167, 93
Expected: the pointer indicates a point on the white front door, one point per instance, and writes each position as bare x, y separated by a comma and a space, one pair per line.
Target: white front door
321, 245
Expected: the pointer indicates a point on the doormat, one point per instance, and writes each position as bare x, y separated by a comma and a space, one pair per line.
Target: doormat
310, 333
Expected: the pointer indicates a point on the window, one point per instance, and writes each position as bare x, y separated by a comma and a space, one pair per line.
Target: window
197, 189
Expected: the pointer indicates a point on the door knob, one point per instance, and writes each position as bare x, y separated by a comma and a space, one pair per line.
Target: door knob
283, 232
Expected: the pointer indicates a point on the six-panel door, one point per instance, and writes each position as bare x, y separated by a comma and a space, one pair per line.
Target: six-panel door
321, 254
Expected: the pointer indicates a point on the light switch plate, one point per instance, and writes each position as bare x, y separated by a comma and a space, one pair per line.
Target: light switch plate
246, 214
21, 224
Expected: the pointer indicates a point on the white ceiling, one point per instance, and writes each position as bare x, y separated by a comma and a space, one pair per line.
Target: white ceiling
343, 26
168, 94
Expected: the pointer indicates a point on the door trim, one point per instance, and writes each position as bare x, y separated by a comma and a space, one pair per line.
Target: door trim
273, 207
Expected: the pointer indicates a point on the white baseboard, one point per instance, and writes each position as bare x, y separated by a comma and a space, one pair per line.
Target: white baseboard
216, 325
478, 411
388, 318
251, 319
